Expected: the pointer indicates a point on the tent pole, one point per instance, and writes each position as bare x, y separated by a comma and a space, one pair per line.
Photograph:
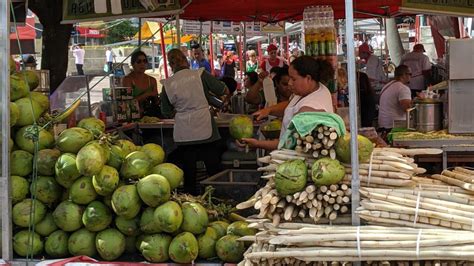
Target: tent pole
240, 54
163, 51
139, 32
211, 49
288, 53
244, 56
259, 50
153, 53
355, 183
178, 30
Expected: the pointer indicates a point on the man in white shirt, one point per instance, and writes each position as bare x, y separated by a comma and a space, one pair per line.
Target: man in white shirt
374, 65
109, 58
420, 66
395, 99
78, 54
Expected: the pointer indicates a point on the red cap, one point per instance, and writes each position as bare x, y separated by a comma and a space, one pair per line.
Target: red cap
271, 47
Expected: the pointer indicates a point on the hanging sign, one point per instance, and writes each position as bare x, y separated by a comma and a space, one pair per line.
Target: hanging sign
100, 10
194, 27
253, 28
226, 27
446, 7
278, 27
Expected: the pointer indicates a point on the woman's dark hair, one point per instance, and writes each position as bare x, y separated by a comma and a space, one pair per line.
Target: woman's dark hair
253, 77
282, 71
364, 84
319, 70
230, 83
135, 55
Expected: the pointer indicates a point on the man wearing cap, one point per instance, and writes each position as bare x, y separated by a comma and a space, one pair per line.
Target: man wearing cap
374, 66
420, 66
272, 60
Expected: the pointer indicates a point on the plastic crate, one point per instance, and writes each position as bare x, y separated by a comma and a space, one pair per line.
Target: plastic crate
235, 184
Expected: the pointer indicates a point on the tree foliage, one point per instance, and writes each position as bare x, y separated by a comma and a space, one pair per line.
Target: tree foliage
122, 31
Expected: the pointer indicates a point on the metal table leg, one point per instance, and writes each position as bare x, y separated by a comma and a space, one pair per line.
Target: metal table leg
445, 159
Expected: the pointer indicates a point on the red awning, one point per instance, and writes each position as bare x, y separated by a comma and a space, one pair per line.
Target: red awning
26, 32
89, 32
276, 10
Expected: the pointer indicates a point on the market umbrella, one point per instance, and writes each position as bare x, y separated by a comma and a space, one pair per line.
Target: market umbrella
170, 36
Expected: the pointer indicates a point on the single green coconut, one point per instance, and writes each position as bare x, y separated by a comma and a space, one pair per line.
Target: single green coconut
30, 111
56, 245
171, 172
41, 99
19, 188
82, 242
155, 247
27, 243
14, 114
127, 146
241, 127
91, 159
110, 244
327, 171
229, 249
31, 77
82, 191
136, 165
207, 243
155, 152
66, 170
46, 189
154, 190
128, 227
240, 228
183, 248
97, 216
23, 139
46, 226
106, 181
195, 219
148, 224
94, 125
343, 148
291, 177
126, 201
220, 227
169, 216
68, 216
18, 87
21, 163
46, 160
73, 139
117, 155
22, 212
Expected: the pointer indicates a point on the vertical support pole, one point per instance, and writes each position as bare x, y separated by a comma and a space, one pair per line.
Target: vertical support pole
244, 56
163, 50
5, 202
139, 32
239, 50
417, 29
259, 50
178, 30
351, 71
211, 48
288, 52
153, 53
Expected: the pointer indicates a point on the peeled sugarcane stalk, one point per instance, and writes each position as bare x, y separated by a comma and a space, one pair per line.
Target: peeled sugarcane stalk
459, 176
454, 181
464, 170
412, 152
381, 181
386, 174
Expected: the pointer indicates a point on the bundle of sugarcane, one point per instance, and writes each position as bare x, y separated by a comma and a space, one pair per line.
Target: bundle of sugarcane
319, 143
460, 177
315, 243
417, 208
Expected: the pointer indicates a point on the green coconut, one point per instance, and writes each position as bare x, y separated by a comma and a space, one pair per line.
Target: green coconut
41, 99
155, 247
229, 249
82, 242
25, 107
241, 127
46, 226
97, 216
73, 139
66, 170
46, 160
27, 243
94, 125
22, 212
117, 155
68, 216
240, 228
126, 201
148, 224
127, 146
169, 216
56, 245
110, 244
154, 190
327, 171
14, 113
82, 191
220, 227
155, 152
128, 227
91, 159
195, 219
207, 243
18, 87
171, 172
46, 189
343, 148
25, 142
184, 248
106, 181
291, 177
19, 188
21, 163
136, 165
31, 77
273, 125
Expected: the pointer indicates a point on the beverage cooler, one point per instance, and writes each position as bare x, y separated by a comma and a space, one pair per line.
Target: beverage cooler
460, 55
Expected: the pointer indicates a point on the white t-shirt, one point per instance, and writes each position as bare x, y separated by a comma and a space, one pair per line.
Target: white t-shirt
79, 56
417, 62
319, 100
389, 108
109, 55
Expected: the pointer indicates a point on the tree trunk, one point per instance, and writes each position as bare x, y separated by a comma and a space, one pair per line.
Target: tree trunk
54, 56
